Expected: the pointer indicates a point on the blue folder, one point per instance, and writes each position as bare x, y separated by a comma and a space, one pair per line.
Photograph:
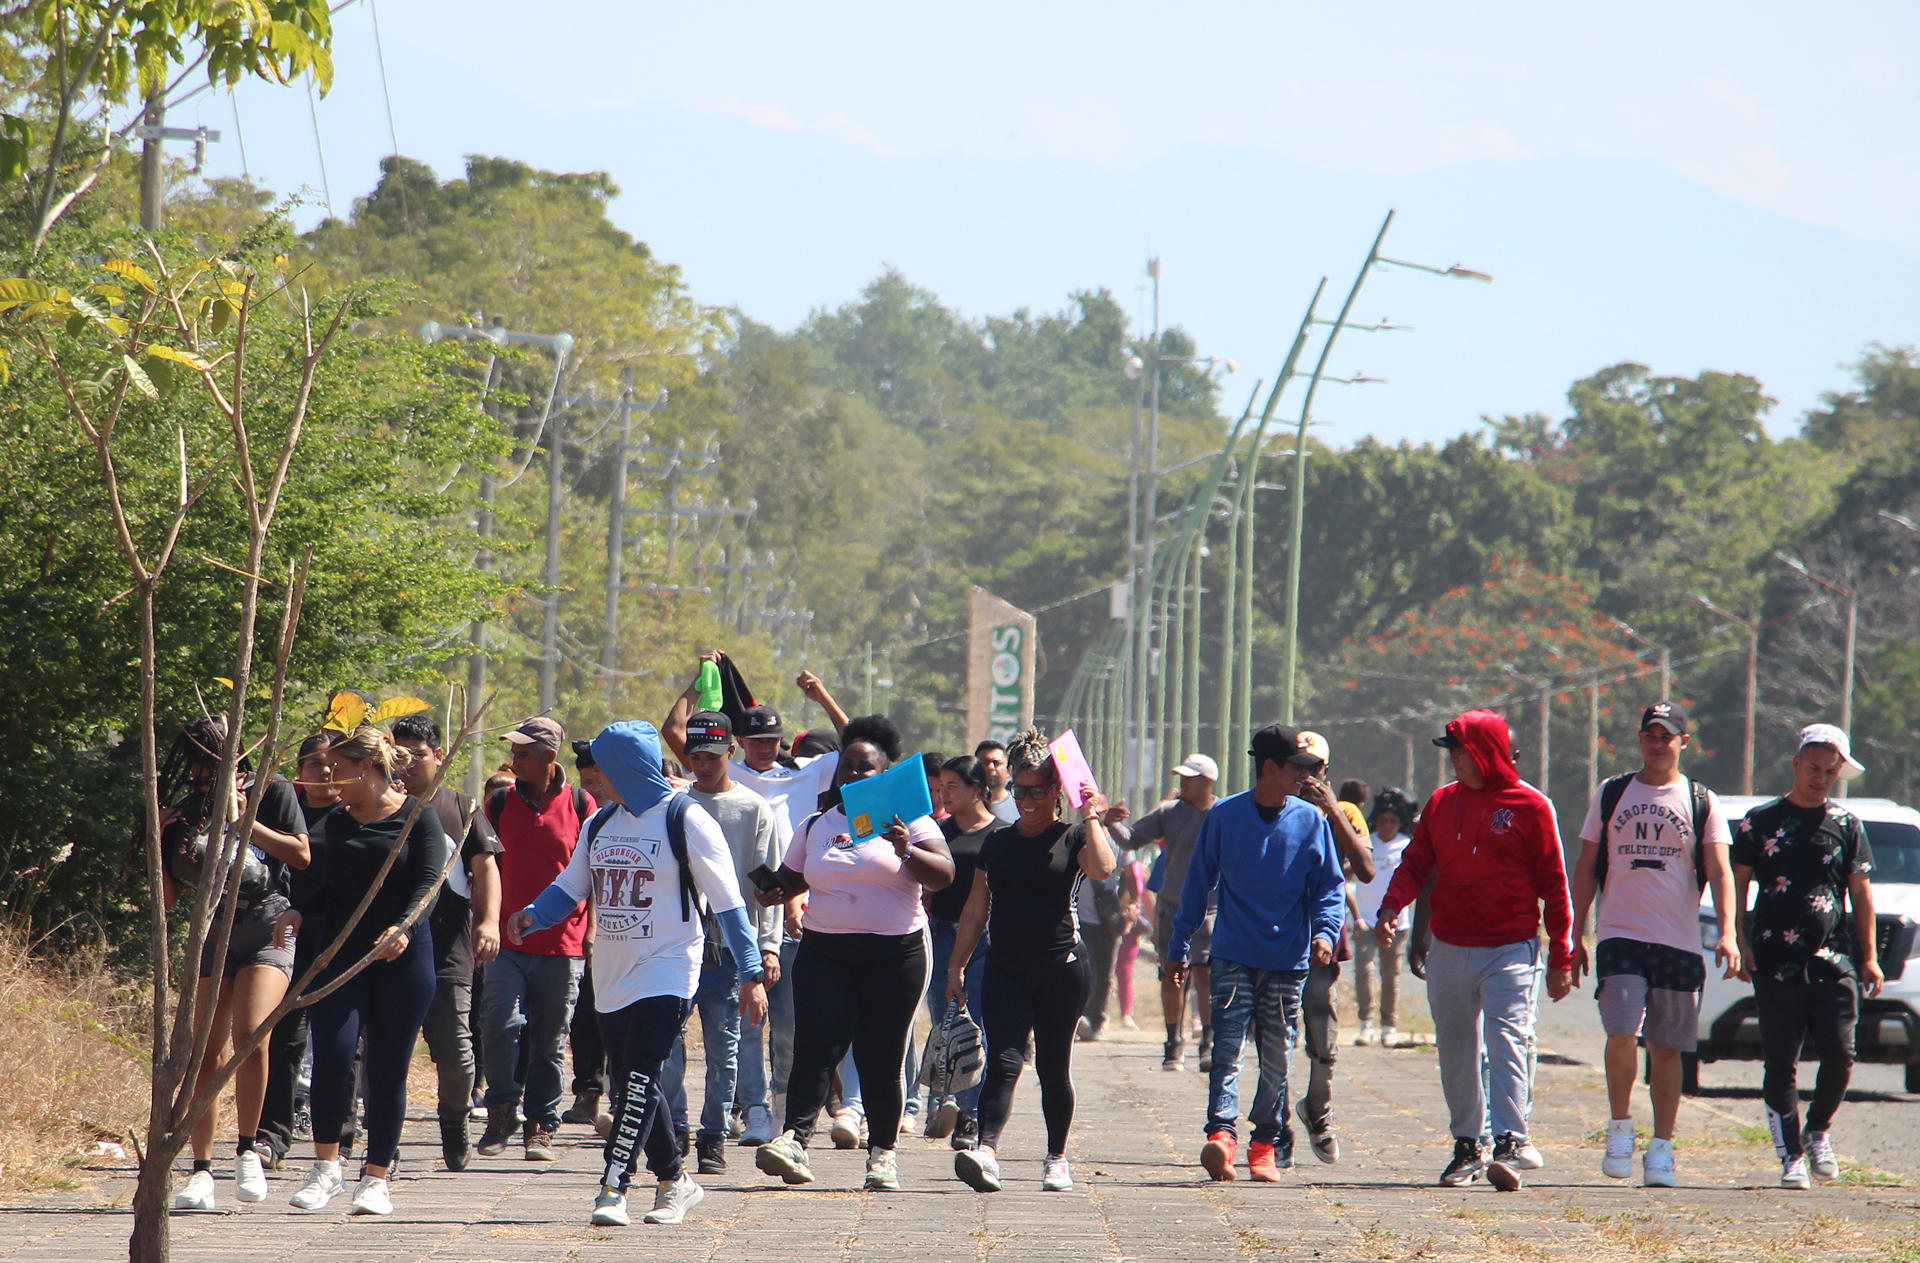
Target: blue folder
872, 803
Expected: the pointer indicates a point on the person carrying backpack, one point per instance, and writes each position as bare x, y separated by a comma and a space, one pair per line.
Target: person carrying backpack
1652, 840
645, 866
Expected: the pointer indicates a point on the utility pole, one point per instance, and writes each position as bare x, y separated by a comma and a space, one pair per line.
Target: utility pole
617, 525
1546, 736
154, 134
1593, 730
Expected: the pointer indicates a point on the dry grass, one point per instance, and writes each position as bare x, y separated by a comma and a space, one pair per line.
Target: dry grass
73, 1066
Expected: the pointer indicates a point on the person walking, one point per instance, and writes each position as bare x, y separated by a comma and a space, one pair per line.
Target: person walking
1651, 840
746, 821
1807, 860
965, 790
992, 755
532, 985
386, 1003
1174, 826
466, 930
1491, 843
1387, 838
640, 860
1038, 973
1270, 855
861, 970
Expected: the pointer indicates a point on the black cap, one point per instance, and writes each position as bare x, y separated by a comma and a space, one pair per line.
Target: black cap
1449, 741
1670, 715
1281, 744
709, 732
760, 721
583, 754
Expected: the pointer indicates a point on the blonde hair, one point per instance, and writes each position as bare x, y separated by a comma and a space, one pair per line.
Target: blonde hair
1028, 752
369, 744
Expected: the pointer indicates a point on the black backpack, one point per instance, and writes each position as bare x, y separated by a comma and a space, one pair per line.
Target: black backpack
689, 896
1611, 791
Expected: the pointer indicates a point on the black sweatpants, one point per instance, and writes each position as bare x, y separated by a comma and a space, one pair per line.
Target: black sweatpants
638, 1039
1825, 1012
1044, 999
387, 1002
858, 990
584, 1038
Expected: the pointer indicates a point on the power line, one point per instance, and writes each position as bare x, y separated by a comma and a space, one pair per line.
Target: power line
313, 112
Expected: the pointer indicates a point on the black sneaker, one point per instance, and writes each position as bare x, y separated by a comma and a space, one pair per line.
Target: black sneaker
1466, 1166
456, 1142
966, 1133
1173, 1055
712, 1151
501, 1125
685, 1141
1205, 1049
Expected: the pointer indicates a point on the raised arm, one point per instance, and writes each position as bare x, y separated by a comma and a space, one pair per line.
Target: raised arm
815, 691
673, 729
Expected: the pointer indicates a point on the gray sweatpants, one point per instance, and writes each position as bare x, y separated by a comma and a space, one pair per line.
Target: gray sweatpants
1483, 999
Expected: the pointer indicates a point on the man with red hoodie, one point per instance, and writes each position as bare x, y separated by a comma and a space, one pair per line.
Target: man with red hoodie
1492, 846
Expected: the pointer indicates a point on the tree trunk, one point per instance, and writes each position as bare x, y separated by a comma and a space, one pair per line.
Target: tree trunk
152, 1239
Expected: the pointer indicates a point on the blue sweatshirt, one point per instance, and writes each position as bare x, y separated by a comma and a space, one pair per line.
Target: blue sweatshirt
1280, 885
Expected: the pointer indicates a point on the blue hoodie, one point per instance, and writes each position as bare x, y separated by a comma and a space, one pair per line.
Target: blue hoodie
1280, 885
628, 753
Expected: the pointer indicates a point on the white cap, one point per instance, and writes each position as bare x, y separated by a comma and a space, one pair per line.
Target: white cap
1835, 736
1199, 765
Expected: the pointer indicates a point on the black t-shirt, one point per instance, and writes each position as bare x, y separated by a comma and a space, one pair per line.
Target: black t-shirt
279, 811
1031, 882
303, 884
949, 902
452, 912
1801, 858
351, 853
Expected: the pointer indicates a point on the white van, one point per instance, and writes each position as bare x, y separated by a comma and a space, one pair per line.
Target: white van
1889, 1028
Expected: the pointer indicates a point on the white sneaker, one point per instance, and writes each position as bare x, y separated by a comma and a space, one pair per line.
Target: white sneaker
785, 1157
1793, 1172
1057, 1177
673, 1199
197, 1194
883, 1171
758, 1128
1656, 1167
372, 1197
1127, 1022
322, 1186
610, 1209
979, 1169
1365, 1036
1390, 1037
910, 1123
1618, 1164
846, 1128
249, 1177
1820, 1156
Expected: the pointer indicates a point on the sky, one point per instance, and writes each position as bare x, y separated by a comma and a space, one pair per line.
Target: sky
1709, 186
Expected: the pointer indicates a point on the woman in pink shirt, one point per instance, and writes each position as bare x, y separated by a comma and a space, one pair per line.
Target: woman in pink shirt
862, 966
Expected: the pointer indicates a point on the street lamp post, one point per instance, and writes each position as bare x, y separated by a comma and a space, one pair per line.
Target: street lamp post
1752, 628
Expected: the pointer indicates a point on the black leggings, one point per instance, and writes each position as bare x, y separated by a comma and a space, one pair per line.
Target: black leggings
1044, 999
638, 1039
1823, 1011
858, 990
387, 1001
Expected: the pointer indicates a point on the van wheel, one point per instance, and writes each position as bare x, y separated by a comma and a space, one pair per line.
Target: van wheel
1913, 1076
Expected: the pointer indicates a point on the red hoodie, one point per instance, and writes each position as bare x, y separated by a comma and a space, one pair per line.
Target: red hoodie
1496, 850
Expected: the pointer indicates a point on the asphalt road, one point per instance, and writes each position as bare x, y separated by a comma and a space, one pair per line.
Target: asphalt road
1880, 1123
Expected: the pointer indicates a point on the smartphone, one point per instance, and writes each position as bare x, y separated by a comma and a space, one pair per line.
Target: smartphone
766, 881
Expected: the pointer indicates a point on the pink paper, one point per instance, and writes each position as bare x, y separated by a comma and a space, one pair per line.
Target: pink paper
1071, 763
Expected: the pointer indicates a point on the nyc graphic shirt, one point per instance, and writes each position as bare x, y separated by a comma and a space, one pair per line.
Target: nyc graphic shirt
1801, 859
1651, 894
642, 946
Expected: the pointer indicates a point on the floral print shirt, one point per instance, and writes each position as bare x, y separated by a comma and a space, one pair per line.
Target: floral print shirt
1802, 858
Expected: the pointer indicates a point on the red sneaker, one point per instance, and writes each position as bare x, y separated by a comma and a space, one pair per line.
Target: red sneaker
1217, 1155
1261, 1163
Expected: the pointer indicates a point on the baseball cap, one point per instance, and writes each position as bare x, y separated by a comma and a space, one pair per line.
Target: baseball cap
1835, 736
1317, 745
1449, 740
814, 742
539, 731
1669, 715
760, 721
1284, 744
1198, 765
709, 732
583, 754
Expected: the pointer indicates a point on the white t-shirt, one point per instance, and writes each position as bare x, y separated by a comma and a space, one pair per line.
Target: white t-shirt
1650, 893
641, 947
857, 887
793, 791
1386, 858
1005, 811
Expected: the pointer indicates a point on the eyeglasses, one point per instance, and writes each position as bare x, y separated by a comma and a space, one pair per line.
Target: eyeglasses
1032, 791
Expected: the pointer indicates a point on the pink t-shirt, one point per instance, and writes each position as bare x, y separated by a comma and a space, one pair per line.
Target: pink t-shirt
1651, 894
857, 888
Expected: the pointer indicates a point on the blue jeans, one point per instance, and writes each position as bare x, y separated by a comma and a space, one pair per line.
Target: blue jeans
718, 1002
528, 997
1268, 1001
944, 933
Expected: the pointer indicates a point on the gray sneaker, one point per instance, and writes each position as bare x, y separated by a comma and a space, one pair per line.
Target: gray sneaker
785, 1157
1326, 1146
610, 1209
978, 1169
883, 1171
673, 1199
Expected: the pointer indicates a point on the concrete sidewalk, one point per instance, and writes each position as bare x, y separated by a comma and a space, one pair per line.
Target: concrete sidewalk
1140, 1194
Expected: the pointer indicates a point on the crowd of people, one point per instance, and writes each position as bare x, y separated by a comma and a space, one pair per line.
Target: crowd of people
712, 866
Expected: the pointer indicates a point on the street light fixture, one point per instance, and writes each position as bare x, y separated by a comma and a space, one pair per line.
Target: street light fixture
1464, 273
1752, 629
1898, 519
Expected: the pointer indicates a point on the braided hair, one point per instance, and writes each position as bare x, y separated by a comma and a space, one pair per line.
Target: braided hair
1028, 752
